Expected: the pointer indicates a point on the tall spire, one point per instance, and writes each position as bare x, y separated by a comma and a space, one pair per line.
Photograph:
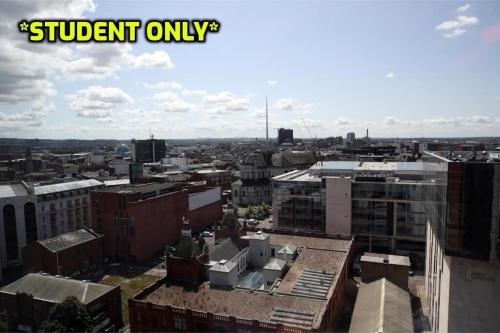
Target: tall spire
267, 129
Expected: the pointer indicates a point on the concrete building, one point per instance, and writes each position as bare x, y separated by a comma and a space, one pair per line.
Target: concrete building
285, 135
27, 301
381, 203
254, 186
147, 151
463, 244
306, 293
70, 254
350, 137
64, 207
18, 221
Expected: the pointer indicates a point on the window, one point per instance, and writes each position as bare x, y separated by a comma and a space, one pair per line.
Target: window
261, 254
273, 252
10, 231
30, 222
180, 324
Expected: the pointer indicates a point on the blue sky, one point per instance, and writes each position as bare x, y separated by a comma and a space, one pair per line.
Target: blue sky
402, 69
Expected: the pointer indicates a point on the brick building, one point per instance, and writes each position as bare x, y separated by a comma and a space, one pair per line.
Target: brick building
69, 254
285, 283
28, 300
139, 220
214, 177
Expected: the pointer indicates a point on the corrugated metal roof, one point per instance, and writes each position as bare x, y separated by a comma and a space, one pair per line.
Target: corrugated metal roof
67, 240
56, 289
54, 188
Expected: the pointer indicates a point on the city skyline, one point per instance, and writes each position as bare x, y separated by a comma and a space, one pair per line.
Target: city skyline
399, 69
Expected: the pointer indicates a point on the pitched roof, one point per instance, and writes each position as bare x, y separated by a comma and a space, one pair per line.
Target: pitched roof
382, 306
275, 264
56, 289
225, 250
12, 190
68, 240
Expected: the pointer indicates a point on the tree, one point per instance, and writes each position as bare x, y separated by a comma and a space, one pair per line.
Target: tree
68, 316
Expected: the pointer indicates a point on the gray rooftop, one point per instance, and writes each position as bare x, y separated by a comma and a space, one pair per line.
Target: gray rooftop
383, 258
382, 306
70, 186
67, 240
225, 250
275, 264
9, 190
56, 289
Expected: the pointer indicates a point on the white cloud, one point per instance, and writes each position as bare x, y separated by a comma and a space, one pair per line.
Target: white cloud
195, 92
290, 104
463, 8
171, 102
97, 101
227, 101
163, 85
158, 59
272, 82
390, 75
98, 61
455, 28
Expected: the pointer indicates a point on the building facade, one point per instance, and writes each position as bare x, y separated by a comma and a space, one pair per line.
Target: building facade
380, 203
71, 254
285, 135
147, 151
463, 244
64, 207
18, 221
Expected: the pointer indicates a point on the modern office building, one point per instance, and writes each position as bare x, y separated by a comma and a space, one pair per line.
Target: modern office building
462, 279
277, 282
381, 203
147, 151
285, 135
350, 137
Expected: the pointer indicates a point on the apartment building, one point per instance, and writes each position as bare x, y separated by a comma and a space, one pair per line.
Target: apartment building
64, 207
381, 203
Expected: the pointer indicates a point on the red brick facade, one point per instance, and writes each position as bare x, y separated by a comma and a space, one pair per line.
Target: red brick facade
136, 229
204, 216
74, 260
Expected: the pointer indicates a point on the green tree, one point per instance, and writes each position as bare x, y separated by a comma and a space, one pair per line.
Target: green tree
68, 316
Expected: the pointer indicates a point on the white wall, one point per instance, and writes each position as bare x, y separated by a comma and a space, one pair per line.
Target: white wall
338, 206
218, 278
260, 252
200, 199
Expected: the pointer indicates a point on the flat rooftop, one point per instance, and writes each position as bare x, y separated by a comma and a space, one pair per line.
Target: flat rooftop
69, 186
388, 259
138, 188
300, 299
9, 190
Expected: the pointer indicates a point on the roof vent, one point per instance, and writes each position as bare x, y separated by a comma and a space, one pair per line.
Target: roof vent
222, 262
259, 232
386, 261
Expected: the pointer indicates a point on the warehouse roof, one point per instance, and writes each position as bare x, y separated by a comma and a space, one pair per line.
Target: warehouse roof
56, 289
382, 306
68, 240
